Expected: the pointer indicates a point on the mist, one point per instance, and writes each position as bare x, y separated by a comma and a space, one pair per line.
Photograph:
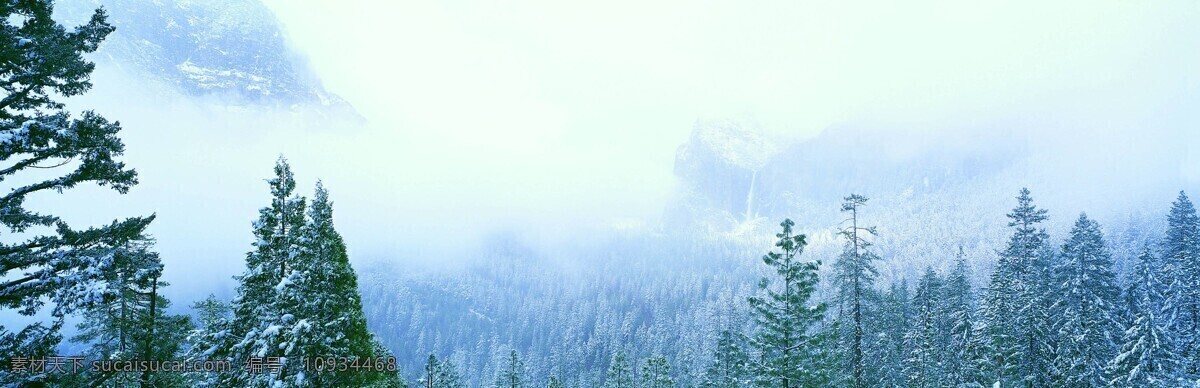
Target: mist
551, 122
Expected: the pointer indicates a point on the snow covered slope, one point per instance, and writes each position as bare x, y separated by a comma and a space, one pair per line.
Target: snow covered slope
931, 189
232, 48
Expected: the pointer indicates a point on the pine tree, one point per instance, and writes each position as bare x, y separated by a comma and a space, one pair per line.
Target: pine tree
209, 337
131, 323
887, 351
1016, 304
389, 376
1181, 273
261, 321
1148, 355
789, 354
729, 368
855, 276
1086, 321
962, 345
322, 296
555, 383
298, 303
620, 373
441, 374
656, 373
210, 312
512, 374
923, 366
46, 260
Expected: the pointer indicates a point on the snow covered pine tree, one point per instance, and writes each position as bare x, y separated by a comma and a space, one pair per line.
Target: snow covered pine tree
512, 375
132, 323
1085, 317
729, 368
42, 61
1148, 355
298, 302
1181, 275
1015, 304
656, 373
620, 372
854, 275
788, 353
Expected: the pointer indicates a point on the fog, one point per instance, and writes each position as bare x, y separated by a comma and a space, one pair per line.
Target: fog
552, 119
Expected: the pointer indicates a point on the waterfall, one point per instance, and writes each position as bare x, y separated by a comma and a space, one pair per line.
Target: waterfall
750, 213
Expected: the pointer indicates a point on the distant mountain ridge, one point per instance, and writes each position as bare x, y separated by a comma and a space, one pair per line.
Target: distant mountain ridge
228, 47
931, 190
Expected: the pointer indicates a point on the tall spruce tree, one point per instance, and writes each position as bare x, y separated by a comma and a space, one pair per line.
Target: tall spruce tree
512, 373
322, 295
260, 324
1016, 301
729, 368
1086, 321
297, 303
789, 353
656, 373
620, 372
46, 149
209, 340
923, 342
1181, 275
441, 374
962, 344
131, 323
855, 276
1147, 357
887, 350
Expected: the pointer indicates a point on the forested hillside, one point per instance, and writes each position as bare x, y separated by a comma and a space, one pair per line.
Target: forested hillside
686, 296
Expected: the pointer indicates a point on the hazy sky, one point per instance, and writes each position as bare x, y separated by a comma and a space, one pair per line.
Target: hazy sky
541, 104
517, 76
494, 114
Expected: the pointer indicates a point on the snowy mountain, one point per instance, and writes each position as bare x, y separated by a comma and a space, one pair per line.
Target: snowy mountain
232, 48
931, 190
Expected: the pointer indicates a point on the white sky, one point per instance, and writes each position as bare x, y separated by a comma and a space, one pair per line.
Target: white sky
520, 75
545, 102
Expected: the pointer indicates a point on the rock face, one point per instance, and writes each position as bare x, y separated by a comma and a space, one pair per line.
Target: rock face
235, 48
718, 167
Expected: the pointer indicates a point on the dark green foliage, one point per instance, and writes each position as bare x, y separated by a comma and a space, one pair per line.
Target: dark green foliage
890, 323
1016, 302
325, 295
209, 337
620, 372
924, 340
963, 344
512, 373
1084, 313
41, 62
440, 374
656, 373
1148, 355
260, 323
131, 322
789, 354
298, 300
730, 365
1181, 275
